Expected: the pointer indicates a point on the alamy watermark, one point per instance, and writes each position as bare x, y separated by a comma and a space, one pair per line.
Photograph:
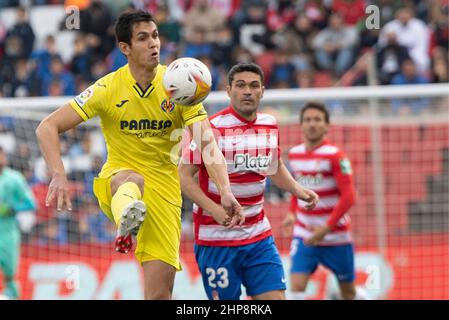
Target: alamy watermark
72, 281
72, 20
372, 21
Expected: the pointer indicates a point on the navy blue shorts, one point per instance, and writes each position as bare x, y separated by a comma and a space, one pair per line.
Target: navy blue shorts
256, 266
339, 259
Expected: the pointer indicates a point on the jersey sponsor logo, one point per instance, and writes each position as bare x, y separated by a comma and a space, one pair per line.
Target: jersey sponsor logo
119, 105
145, 124
247, 162
167, 106
345, 166
310, 180
82, 98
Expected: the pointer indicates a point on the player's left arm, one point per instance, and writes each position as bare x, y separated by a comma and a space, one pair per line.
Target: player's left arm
343, 176
341, 167
24, 196
284, 180
216, 166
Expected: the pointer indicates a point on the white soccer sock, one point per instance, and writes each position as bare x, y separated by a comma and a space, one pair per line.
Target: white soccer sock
297, 295
360, 294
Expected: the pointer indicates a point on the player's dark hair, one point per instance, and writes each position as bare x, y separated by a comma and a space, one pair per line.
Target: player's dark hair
317, 106
245, 67
125, 22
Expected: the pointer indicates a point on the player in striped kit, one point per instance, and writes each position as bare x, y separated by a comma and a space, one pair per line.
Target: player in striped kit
321, 235
229, 257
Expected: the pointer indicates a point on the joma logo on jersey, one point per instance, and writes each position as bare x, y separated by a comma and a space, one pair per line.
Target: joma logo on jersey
145, 124
247, 162
167, 106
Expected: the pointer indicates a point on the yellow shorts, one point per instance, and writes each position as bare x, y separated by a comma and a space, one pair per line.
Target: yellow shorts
159, 236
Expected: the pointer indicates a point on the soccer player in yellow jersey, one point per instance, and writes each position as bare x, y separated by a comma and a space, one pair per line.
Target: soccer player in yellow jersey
138, 186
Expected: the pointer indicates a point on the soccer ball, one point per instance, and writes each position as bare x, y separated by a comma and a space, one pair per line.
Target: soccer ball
187, 81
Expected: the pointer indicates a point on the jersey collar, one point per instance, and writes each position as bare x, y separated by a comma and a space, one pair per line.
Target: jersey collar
325, 141
142, 92
235, 114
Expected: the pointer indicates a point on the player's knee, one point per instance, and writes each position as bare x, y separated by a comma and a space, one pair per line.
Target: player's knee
137, 179
298, 286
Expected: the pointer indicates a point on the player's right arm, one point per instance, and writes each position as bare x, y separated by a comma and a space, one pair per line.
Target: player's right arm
289, 220
216, 166
47, 133
192, 190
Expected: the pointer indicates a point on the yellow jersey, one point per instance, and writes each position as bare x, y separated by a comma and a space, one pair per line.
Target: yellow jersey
142, 127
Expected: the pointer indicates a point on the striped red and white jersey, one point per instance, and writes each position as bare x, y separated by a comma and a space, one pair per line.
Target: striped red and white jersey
251, 150
327, 171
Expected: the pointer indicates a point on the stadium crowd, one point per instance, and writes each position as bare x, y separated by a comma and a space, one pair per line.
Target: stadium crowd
299, 44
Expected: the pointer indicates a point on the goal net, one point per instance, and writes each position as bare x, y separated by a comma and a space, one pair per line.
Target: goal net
396, 137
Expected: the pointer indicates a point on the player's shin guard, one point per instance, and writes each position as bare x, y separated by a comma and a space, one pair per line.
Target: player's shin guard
129, 214
125, 194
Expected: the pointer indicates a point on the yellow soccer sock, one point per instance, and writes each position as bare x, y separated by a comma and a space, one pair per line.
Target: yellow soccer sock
125, 194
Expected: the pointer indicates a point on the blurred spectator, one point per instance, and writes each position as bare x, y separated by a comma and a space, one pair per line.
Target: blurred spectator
283, 72
81, 159
297, 40
304, 79
390, 59
176, 8
96, 24
216, 76
241, 55
116, 59
317, 12
197, 45
19, 83
81, 61
335, 45
440, 29
409, 75
411, 33
249, 28
89, 175
227, 7
388, 9
94, 226
352, 11
440, 66
222, 48
59, 81
168, 27
280, 14
99, 69
23, 31
117, 6
42, 58
25, 82
167, 51
204, 17
20, 159
13, 53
